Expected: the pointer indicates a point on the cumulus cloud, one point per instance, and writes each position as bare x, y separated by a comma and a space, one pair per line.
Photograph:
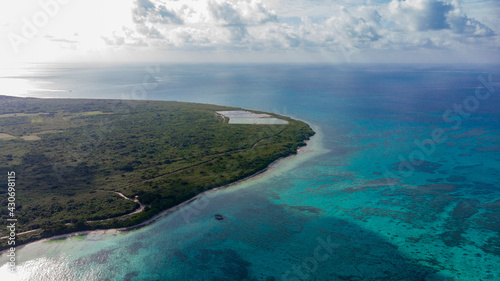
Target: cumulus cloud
236, 17
188, 23
421, 15
250, 24
462, 24
426, 15
148, 12
355, 30
240, 12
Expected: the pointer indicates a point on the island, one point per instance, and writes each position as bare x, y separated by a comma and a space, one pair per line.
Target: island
87, 164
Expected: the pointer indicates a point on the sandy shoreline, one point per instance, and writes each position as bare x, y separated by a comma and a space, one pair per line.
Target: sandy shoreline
313, 147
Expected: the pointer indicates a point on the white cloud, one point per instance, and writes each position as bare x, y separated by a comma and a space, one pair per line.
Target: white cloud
462, 24
214, 23
235, 24
280, 26
246, 12
421, 15
425, 15
146, 11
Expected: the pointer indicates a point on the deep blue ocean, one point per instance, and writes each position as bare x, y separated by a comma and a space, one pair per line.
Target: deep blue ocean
401, 181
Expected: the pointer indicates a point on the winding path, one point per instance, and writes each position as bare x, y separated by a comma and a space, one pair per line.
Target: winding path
138, 210
17, 234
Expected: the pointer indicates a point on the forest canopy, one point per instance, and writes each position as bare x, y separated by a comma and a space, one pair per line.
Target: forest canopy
75, 158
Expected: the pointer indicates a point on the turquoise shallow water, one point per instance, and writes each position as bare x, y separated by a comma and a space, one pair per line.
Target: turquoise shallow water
368, 199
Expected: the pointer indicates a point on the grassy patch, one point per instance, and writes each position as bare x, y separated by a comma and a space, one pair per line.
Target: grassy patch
31, 138
6, 136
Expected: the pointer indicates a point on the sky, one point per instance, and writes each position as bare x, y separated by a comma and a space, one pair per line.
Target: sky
311, 31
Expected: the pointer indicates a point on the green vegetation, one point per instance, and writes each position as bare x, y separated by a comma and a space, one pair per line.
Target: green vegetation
162, 152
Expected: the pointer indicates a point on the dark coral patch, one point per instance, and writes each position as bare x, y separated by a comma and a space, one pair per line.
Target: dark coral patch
130, 276
435, 180
225, 263
476, 132
465, 209
453, 238
376, 183
492, 148
309, 209
416, 165
492, 246
455, 178
101, 257
446, 187
134, 248
466, 167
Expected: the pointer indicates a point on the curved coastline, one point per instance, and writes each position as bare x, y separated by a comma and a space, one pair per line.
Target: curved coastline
312, 148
